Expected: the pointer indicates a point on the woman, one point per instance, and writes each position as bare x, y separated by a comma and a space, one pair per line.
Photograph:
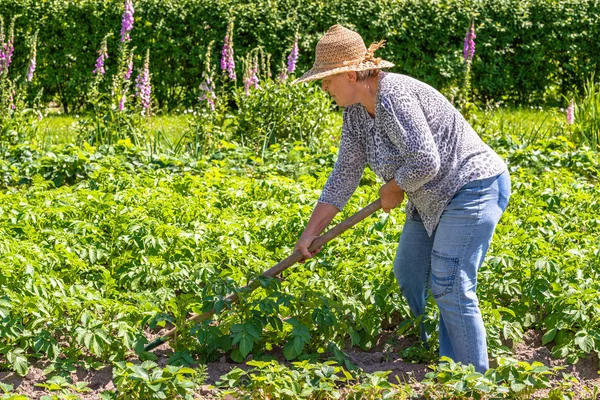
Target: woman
417, 142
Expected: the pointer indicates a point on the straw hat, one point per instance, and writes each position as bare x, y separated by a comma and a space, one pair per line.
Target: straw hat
341, 50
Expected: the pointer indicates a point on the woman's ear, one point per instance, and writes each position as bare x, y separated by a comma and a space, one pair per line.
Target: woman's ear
351, 76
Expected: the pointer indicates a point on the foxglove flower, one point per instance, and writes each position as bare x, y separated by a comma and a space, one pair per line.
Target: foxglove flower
127, 74
122, 102
127, 21
283, 75
103, 55
293, 57
209, 93
571, 113
254, 77
208, 87
227, 61
6, 49
469, 46
31, 69
251, 76
143, 88
32, 64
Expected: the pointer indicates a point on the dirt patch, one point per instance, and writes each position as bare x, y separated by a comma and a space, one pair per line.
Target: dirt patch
385, 356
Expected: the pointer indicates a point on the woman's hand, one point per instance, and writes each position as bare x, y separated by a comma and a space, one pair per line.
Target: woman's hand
303, 244
391, 195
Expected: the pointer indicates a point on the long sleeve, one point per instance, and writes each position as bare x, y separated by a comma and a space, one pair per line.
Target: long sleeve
348, 169
411, 134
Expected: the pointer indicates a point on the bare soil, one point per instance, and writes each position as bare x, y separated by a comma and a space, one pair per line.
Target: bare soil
385, 356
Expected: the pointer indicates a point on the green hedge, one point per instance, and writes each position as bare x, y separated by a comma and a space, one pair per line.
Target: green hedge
527, 51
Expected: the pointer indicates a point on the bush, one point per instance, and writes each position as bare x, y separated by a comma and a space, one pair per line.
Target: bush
527, 51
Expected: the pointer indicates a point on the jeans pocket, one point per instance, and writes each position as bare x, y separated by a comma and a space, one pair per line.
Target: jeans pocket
443, 273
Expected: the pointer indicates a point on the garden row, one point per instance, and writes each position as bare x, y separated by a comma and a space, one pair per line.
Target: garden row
136, 241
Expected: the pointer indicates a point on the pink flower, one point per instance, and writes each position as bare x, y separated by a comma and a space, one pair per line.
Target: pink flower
571, 113
31, 69
227, 61
283, 75
127, 74
143, 87
32, 61
209, 93
103, 55
127, 21
469, 47
293, 57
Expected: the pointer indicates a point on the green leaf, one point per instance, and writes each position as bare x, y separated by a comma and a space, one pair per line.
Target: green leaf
549, 336
236, 356
18, 361
585, 341
246, 345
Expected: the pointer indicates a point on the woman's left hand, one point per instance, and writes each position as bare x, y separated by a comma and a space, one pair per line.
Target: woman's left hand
391, 195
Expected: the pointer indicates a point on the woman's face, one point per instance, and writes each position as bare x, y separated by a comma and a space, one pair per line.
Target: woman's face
341, 88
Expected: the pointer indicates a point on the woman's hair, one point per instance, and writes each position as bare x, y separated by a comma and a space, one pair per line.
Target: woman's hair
364, 75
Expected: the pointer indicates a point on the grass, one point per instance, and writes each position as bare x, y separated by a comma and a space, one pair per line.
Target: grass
527, 125
60, 129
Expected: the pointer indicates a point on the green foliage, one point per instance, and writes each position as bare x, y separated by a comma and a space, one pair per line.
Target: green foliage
269, 379
510, 380
277, 113
282, 112
147, 381
586, 129
6, 395
102, 243
64, 387
527, 51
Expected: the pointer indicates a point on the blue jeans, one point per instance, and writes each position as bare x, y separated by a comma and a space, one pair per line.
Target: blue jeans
447, 264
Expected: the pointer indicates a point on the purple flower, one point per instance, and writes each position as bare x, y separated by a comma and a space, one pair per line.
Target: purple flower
127, 74
283, 75
209, 93
103, 55
247, 85
9, 51
143, 88
225, 53
31, 69
32, 63
571, 113
127, 21
251, 77
6, 49
469, 47
6, 53
293, 57
227, 61
2, 60
254, 77
122, 102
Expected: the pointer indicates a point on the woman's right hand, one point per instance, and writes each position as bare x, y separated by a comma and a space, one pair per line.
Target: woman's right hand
303, 244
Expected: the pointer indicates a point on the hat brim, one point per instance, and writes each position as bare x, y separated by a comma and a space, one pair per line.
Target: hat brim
317, 73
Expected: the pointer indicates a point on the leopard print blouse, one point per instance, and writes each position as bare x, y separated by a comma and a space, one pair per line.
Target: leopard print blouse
416, 137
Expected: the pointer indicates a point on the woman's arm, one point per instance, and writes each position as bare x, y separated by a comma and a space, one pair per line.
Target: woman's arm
340, 186
320, 218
